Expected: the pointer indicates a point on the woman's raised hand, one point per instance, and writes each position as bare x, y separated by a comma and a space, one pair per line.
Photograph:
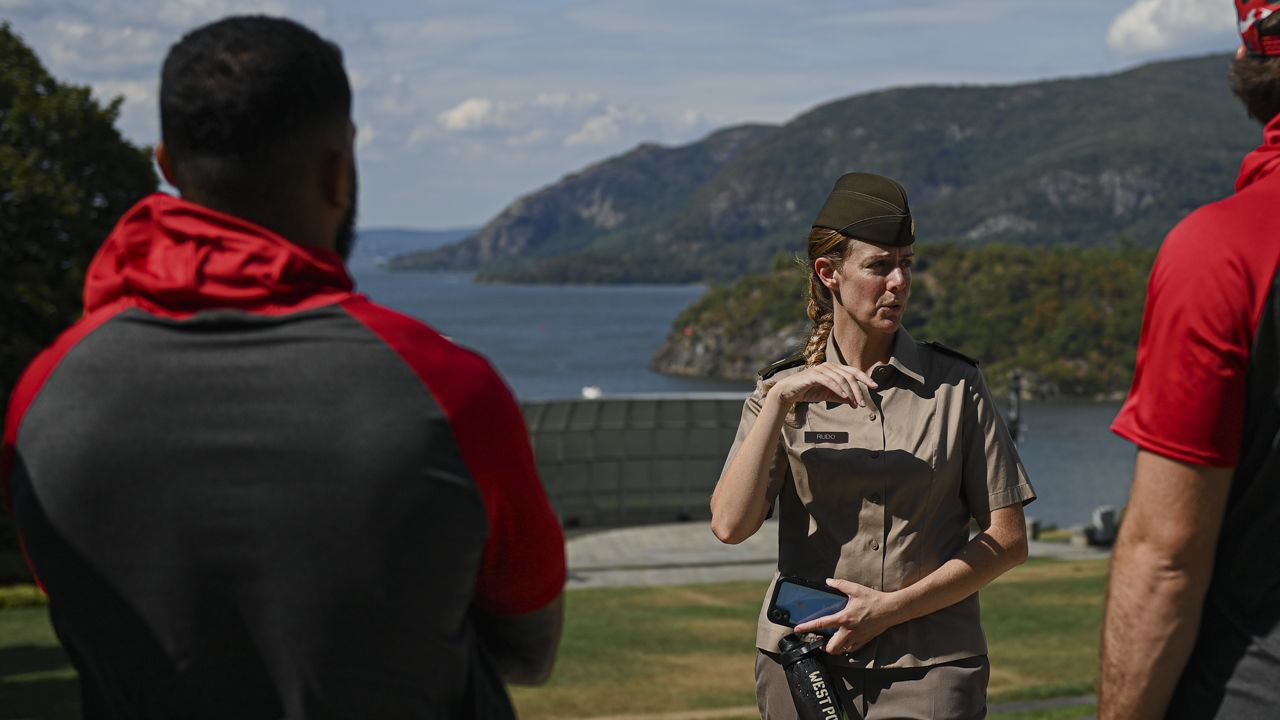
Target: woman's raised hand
827, 382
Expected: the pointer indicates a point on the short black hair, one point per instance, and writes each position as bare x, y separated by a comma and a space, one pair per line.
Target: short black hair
239, 96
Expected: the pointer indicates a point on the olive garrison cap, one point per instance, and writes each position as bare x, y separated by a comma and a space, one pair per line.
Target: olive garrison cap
868, 207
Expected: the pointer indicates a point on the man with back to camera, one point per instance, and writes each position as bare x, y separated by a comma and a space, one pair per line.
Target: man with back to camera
1194, 599
249, 491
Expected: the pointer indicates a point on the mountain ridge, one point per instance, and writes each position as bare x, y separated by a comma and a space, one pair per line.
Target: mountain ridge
1078, 161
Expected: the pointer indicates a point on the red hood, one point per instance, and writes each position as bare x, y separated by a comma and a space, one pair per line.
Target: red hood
173, 257
1263, 161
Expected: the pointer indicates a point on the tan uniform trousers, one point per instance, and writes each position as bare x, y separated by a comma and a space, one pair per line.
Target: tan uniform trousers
949, 691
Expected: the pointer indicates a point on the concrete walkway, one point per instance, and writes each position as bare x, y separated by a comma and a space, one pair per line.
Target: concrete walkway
686, 553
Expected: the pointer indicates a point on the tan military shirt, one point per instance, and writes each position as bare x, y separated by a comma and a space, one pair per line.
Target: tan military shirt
883, 495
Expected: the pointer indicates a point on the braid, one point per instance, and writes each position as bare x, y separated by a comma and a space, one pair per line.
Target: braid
815, 351
829, 244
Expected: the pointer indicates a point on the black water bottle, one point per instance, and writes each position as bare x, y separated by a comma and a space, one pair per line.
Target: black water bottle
811, 687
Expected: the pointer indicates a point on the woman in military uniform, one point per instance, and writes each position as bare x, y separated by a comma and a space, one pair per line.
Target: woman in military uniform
879, 450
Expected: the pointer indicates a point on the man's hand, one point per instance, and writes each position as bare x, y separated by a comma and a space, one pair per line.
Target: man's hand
1159, 574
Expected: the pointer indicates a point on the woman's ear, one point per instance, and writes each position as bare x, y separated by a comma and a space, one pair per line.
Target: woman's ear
827, 272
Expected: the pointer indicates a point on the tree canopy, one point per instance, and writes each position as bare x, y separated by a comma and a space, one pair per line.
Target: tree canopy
1067, 318
66, 176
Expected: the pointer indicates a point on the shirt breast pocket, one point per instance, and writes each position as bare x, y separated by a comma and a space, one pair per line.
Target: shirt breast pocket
835, 477
845, 456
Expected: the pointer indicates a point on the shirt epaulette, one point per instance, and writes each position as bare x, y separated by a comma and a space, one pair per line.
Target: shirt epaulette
950, 351
778, 366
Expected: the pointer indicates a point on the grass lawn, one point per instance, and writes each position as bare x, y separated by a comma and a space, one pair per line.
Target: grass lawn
663, 649
631, 651
36, 679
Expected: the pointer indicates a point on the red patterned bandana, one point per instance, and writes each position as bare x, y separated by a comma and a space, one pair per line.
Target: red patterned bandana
1250, 14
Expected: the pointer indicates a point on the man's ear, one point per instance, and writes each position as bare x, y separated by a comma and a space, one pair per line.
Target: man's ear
166, 164
338, 171
335, 179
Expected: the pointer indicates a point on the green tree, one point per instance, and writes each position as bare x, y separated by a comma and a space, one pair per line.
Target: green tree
66, 176
1068, 318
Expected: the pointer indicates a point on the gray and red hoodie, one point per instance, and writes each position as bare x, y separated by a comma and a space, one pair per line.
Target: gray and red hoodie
252, 492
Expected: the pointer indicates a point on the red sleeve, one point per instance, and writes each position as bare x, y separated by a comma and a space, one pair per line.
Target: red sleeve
1203, 304
523, 568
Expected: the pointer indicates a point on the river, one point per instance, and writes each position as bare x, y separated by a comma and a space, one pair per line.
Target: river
551, 341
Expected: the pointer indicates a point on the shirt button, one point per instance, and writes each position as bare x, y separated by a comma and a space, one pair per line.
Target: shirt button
875, 545
873, 416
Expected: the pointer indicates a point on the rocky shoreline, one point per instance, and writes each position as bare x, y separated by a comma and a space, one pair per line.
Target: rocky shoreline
713, 352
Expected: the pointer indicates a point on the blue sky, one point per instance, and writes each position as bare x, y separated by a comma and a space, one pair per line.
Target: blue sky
464, 106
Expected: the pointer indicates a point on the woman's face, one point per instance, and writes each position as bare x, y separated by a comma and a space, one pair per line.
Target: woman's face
871, 286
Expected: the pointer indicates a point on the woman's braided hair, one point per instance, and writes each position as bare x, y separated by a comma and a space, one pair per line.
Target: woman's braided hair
830, 244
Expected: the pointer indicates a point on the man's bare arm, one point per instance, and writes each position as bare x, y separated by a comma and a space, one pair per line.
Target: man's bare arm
524, 646
1159, 575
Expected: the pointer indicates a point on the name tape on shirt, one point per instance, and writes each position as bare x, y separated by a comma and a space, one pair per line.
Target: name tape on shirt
826, 437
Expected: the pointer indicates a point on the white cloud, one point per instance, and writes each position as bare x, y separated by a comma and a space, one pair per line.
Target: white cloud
134, 92
567, 119
1154, 26
471, 114
597, 130
606, 127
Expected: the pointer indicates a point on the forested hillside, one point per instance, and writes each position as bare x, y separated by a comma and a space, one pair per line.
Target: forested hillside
1075, 162
1067, 318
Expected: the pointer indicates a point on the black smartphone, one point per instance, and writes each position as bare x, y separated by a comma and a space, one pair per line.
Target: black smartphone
796, 600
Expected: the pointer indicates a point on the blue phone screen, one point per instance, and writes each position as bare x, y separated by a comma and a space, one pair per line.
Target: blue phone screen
806, 603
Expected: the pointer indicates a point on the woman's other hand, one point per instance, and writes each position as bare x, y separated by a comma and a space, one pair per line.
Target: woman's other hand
1001, 545
868, 614
827, 382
